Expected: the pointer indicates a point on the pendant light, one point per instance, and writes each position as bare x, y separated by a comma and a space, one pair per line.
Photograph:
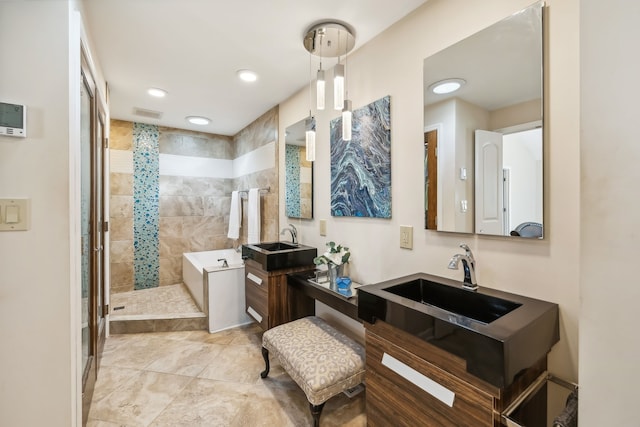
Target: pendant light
310, 128
329, 40
320, 86
346, 121
310, 138
338, 86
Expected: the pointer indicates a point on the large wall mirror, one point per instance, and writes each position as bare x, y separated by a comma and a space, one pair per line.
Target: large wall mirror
483, 141
298, 178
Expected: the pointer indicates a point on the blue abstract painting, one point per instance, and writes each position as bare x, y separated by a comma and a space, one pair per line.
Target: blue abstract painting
361, 168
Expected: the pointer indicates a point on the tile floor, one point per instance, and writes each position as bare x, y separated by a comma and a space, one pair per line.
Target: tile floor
195, 378
159, 301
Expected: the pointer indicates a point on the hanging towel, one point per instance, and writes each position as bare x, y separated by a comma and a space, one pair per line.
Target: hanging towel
234, 216
253, 235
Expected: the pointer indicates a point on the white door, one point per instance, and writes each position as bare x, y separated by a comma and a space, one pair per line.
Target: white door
489, 182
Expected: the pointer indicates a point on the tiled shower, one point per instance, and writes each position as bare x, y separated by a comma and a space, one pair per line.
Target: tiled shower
170, 191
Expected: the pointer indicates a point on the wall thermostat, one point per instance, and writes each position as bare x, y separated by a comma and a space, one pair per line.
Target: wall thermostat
13, 119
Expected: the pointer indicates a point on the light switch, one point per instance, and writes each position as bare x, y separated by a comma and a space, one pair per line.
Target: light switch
406, 236
323, 227
12, 215
15, 214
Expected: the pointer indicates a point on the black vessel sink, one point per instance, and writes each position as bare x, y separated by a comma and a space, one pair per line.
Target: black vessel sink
280, 255
477, 306
498, 334
277, 246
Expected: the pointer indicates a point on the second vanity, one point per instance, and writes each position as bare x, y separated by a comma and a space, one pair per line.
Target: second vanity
447, 356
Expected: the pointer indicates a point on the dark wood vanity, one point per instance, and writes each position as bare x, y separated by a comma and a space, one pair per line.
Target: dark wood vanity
267, 294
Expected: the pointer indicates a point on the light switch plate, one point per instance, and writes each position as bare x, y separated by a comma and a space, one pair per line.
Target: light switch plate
406, 236
323, 227
18, 214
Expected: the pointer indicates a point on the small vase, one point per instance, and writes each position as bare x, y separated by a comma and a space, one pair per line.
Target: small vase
335, 271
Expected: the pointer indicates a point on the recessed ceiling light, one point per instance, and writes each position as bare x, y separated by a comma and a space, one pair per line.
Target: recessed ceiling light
447, 86
198, 120
158, 93
247, 75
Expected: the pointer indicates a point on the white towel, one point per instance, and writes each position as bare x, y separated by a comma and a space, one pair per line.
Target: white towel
234, 216
253, 214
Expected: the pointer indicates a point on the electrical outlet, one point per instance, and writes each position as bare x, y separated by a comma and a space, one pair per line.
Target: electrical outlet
323, 227
406, 236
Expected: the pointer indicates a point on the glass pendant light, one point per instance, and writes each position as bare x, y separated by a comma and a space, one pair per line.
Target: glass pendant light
338, 86
310, 138
347, 117
320, 89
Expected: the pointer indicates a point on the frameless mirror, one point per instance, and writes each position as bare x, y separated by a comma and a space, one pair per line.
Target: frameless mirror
483, 141
298, 178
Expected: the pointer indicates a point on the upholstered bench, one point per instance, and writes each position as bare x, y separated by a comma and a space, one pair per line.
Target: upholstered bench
320, 359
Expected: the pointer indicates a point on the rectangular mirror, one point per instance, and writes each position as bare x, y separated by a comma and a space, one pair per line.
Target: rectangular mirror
483, 140
298, 180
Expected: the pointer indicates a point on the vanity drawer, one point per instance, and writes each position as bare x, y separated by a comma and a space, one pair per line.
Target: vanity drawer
257, 303
256, 279
396, 382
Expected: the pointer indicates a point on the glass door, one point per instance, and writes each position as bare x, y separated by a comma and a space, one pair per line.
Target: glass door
92, 149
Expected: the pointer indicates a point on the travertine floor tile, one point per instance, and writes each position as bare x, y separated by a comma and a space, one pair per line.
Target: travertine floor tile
194, 378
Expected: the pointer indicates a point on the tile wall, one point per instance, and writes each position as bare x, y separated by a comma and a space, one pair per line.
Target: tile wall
197, 172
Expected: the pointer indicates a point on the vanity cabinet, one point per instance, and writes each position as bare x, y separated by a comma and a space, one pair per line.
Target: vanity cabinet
266, 293
399, 367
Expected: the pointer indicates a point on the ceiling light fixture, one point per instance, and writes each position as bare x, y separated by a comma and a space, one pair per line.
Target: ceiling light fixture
198, 120
447, 86
329, 40
157, 92
247, 75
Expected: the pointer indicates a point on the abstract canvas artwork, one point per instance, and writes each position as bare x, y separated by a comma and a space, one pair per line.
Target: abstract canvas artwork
361, 168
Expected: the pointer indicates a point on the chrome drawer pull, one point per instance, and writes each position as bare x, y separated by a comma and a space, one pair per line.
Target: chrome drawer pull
254, 314
254, 279
436, 390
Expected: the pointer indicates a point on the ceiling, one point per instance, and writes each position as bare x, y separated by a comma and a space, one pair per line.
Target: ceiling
193, 49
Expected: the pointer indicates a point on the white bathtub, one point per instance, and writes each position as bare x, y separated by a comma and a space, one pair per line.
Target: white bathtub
217, 290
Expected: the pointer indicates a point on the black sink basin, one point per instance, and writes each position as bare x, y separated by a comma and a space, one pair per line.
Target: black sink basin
280, 255
277, 246
480, 307
498, 334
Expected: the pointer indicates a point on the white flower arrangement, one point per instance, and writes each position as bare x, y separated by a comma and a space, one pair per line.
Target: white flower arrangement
335, 254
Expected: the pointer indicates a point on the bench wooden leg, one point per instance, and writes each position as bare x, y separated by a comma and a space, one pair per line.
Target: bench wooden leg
316, 410
265, 355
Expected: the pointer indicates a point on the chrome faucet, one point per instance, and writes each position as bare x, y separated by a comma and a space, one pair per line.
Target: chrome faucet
294, 233
225, 264
469, 266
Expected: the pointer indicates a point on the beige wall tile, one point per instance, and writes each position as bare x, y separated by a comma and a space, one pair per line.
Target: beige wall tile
121, 184
121, 276
181, 206
121, 251
170, 270
121, 207
121, 135
170, 227
171, 185
173, 246
121, 228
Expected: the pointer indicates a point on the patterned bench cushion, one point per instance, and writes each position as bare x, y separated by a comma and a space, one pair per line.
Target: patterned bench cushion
320, 359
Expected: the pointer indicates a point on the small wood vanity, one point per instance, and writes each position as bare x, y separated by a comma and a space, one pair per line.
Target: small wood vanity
267, 295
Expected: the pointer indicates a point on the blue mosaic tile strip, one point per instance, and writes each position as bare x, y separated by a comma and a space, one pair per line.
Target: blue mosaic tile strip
146, 211
292, 182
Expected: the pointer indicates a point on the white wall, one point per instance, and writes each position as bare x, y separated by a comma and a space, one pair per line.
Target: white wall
38, 377
609, 286
39, 268
391, 64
